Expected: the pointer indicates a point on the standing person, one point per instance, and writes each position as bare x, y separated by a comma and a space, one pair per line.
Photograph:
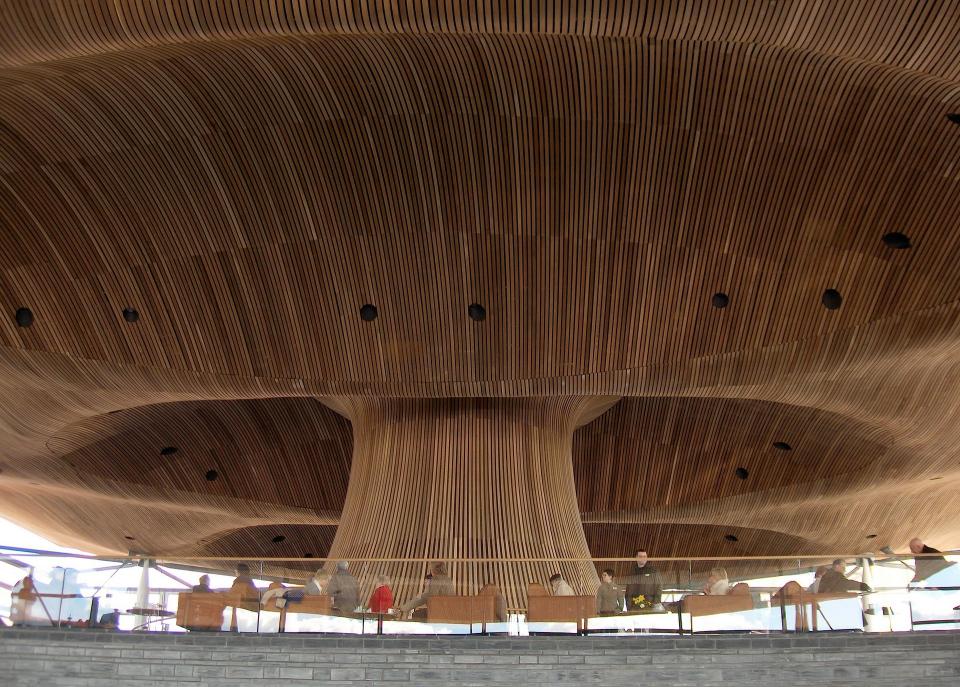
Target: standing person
381, 601
644, 587
243, 584
928, 565
559, 586
437, 584
22, 597
344, 589
609, 596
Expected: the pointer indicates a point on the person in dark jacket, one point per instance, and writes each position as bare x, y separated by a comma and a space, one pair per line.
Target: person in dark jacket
644, 586
834, 581
609, 595
343, 589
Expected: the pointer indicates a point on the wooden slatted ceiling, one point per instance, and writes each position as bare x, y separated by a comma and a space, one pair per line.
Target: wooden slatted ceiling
622, 178
247, 175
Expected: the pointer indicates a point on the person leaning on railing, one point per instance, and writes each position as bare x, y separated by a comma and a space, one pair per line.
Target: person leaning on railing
438, 584
559, 586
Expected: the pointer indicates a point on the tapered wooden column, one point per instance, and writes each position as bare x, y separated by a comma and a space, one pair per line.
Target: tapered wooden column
448, 479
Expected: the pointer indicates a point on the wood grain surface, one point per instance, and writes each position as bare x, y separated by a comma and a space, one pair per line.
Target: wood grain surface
248, 175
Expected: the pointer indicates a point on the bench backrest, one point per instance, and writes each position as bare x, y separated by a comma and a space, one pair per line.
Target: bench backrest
461, 609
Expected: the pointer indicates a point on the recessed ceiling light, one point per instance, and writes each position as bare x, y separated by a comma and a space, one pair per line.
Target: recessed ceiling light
278, 539
131, 315
871, 536
896, 240
782, 446
831, 299
168, 450
127, 536
308, 554
935, 478
954, 117
720, 300
730, 537
211, 475
368, 313
741, 473
24, 317
477, 312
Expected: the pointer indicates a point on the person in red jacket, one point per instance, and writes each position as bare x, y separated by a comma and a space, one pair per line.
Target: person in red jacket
381, 601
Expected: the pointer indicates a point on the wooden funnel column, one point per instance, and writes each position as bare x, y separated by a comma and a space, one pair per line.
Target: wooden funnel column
447, 479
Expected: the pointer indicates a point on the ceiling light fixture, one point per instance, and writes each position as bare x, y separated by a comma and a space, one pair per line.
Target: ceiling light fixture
896, 240
168, 450
831, 299
131, 315
954, 117
368, 312
741, 473
278, 539
211, 475
782, 446
720, 300
730, 537
477, 312
24, 317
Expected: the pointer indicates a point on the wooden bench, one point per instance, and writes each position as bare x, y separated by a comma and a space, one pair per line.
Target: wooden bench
561, 609
201, 610
738, 599
461, 609
792, 594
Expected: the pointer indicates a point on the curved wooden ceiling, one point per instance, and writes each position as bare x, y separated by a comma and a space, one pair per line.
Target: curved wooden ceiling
247, 175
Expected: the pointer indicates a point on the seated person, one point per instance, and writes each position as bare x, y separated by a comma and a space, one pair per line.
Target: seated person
437, 584
717, 583
243, 584
343, 589
559, 586
500, 604
834, 581
644, 587
609, 596
204, 585
928, 565
275, 590
316, 584
381, 601
817, 576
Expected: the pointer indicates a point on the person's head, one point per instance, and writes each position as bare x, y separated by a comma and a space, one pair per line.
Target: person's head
820, 571
838, 566
916, 545
342, 566
607, 575
439, 568
641, 557
556, 579
718, 574
321, 575
205, 580
243, 569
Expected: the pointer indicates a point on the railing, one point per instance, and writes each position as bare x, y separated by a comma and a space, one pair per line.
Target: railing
760, 594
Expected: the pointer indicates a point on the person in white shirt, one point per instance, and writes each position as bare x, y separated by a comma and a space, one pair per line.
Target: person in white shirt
560, 586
